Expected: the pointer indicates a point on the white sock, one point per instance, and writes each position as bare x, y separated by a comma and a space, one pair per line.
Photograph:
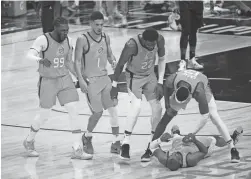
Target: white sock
38, 121
155, 145
76, 138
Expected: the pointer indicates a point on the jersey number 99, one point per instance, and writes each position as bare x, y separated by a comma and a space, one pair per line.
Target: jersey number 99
58, 62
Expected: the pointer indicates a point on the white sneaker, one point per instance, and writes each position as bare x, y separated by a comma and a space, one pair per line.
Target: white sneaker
80, 154
193, 64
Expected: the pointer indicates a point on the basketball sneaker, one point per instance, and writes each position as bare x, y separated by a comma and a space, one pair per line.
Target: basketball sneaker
146, 157
193, 64
237, 134
235, 158
182, 65
78, 153
115, 147
124, 152
30, 148
87, 144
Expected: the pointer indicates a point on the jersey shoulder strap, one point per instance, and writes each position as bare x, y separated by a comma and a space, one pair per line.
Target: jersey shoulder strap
88, 44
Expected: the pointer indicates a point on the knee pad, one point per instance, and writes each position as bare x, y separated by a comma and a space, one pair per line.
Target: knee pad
113, 116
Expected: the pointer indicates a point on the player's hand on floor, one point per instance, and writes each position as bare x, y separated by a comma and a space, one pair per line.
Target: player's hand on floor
159, 91
45, 62
114, 92
83, 86
165, 137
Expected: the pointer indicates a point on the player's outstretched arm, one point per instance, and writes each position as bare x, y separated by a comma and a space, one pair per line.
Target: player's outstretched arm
79, 49
200, 96
110, 57
129, 50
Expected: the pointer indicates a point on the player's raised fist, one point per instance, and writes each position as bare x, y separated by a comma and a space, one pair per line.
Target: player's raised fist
159, 91
45, 62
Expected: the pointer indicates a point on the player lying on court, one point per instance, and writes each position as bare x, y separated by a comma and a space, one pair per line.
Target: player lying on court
179, 89
140, 55
91, 55
53, 52
189, 150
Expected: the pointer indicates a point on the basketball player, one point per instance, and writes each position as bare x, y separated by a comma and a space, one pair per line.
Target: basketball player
191, 19
179, 89
53, 52
140, 55
91, 55
189, 150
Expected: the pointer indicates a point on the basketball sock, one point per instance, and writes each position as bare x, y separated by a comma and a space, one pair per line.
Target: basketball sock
39, 120
76, 138
127, 136
115, 132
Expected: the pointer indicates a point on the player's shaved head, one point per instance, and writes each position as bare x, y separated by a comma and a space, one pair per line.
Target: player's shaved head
150, 34
96, 15
173, 161
60, 21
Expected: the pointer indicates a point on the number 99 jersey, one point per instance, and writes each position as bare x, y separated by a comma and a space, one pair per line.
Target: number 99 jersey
57, 53
143, 63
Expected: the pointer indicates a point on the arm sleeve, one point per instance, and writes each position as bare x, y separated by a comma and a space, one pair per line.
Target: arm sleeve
161, 46
40, 44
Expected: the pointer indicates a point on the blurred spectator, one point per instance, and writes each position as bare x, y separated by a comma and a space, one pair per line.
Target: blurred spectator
110, 11
242, 8
49, 11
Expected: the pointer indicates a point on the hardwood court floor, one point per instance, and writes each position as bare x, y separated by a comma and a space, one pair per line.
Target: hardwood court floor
19, 106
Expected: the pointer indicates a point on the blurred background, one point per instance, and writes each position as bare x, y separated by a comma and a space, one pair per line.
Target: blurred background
24, 15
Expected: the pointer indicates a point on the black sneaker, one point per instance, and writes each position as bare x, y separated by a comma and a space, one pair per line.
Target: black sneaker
237, 134
235, 158
146, 157
124, 152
